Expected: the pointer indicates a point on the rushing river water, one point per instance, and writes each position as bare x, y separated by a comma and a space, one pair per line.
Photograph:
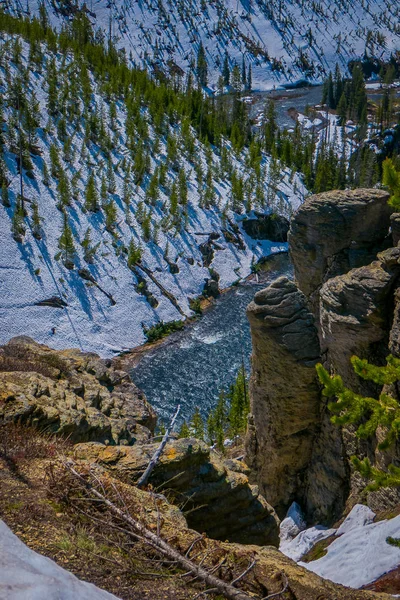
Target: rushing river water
194, 364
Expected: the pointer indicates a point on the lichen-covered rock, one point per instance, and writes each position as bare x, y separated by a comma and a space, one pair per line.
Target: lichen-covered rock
216, 499
336, 231
285, 403
72, 394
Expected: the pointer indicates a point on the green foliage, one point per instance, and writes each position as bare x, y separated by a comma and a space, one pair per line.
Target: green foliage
367, 414
184, 431
110, 211
66, 243
393, 541
89, 251
229, 417
17, 224
134, 254
391, 178
161, 329
91, 196
196, 425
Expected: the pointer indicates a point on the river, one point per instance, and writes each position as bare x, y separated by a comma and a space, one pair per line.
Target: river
192, 365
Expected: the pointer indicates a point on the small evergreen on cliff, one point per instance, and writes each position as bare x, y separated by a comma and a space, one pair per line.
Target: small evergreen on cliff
368, 414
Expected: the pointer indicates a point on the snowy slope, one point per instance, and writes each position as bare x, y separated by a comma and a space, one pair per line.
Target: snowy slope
283, 40
31, 271
26, 574
358, 555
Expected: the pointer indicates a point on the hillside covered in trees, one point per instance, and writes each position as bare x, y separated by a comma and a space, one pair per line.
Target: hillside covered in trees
276, 41
120, 195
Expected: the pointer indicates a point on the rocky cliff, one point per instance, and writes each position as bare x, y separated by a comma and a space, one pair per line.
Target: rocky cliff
85, 399
344, 301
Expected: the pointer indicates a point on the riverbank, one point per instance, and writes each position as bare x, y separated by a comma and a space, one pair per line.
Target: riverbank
192, 365
130, 359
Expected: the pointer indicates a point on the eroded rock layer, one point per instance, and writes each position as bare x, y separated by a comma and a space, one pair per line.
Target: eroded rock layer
284, 392
216, 496
347, 272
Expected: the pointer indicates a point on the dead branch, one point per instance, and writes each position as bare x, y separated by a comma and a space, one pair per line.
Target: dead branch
249, 568
155, 458
139, 530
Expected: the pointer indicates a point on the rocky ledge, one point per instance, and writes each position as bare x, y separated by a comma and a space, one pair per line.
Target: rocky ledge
83, 398
71, 393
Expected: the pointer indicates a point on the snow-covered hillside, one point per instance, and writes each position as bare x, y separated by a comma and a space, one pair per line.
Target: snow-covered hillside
283, 40
107, 297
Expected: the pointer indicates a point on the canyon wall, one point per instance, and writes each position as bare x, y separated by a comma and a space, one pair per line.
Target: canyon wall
344, 301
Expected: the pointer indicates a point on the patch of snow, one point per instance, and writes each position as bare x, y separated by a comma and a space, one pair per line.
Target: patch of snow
305, 541
359, 516
26, 574
291, 526
361, 555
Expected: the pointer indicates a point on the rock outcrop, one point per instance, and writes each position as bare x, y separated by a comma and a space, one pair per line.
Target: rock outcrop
284, 392
343, 263
70, 393
83, 398
334, 232
216, 496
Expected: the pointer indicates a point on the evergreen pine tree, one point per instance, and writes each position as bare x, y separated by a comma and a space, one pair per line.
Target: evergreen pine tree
239, 404
36, 221
66, 244
226, 73
184, 431
17, 225
91, 196
201, 68
110, 211
134, 254
5, 200
89, 251
391, 178
367, 414
196, 425
183, 188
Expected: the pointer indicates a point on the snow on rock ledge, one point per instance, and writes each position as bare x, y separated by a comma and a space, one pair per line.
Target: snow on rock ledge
26, 574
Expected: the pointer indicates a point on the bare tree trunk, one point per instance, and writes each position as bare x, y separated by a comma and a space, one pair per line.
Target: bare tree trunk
156, 542
154, 459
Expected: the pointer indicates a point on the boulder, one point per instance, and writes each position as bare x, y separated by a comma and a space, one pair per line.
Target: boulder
71, 393
217, 499
354, 314
285, 403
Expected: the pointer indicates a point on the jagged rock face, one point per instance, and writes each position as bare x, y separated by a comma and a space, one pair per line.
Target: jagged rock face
350, 287
284, 393
71, 393
217, 497
355, 310
334, 232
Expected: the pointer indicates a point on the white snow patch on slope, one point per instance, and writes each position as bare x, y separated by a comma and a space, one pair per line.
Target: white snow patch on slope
358, 556
30, 272
26, 574
361, 555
